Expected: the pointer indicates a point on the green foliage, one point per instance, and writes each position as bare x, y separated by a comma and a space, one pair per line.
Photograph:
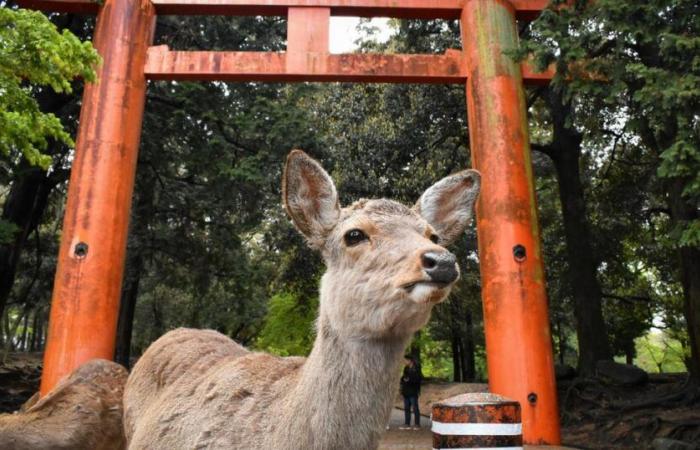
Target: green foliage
34, 56
606, 52
435, 355
658, 352
215, 242
631, 70
8, 231
219, 252
289, 325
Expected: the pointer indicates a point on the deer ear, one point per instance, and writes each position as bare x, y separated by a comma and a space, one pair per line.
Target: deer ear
448, 205
309, 197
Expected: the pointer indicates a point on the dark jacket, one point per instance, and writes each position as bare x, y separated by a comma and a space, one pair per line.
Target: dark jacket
410, 381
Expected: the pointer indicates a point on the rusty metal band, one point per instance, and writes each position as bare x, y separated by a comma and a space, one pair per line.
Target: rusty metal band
476, 441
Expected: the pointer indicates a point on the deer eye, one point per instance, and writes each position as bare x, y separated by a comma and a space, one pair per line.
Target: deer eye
354, 237
435, 238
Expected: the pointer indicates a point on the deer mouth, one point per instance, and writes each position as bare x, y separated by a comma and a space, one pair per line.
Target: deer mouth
408, 287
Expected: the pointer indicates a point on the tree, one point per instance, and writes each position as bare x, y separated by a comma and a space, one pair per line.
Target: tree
565, 150
211, 247
651, 79
37, 65
208, 192
288, 327
34, 55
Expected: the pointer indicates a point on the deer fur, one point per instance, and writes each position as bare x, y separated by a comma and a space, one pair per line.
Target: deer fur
83, 412
196, 389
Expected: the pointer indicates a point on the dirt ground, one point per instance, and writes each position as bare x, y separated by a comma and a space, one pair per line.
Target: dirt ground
397, 439
594, 415
19, 379
600, 416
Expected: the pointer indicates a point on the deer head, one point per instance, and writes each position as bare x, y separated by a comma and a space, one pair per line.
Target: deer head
387, 264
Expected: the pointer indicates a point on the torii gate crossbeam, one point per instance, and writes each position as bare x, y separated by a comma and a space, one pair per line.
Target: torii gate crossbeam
86, 294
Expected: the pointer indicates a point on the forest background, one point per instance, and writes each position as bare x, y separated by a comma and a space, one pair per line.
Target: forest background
616, 159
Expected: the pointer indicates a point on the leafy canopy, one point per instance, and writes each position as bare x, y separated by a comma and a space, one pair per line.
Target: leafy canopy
641, 59
33, 56
289, 325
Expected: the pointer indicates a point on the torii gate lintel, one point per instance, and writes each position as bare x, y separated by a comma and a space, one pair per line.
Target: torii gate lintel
87, 287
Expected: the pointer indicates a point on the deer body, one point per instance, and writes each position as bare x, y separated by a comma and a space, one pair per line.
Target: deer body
258, 401
385, 271
84, 411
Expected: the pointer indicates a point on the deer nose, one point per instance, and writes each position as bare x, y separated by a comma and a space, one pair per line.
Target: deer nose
441, 267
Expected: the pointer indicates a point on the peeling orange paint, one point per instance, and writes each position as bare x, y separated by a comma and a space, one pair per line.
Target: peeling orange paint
518, 346
87, 288
402, 9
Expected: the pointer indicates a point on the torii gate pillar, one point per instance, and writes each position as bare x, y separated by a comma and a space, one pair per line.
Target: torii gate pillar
516, 325
86, 293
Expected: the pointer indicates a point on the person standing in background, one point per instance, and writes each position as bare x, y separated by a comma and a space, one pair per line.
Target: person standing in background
410, 390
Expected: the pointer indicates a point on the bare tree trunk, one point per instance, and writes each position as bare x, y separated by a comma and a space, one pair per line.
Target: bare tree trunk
35, 324
562, 342
5, 325
11, 332
141, 216
456, 359
565, 152
468, 350
590, 326
23, 208
130, 289
40, 341
25, 326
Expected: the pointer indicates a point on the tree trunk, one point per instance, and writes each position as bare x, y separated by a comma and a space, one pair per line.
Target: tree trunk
565, 151
24, 207
456, 360
630, 352
683, 212
41, 331
25, 326
11, 344
35, 324
5, 327
590, 326
140, 218
562, 342
130, 290
468, 350
31, 187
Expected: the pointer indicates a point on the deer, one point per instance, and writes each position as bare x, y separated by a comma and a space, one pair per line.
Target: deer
83, 412
386, 268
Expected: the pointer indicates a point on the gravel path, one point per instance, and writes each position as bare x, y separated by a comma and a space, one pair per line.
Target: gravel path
396, 439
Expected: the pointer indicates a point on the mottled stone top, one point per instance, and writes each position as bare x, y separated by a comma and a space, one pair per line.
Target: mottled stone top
475, 398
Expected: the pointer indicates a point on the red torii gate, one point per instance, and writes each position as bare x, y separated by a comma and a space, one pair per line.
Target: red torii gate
88, 280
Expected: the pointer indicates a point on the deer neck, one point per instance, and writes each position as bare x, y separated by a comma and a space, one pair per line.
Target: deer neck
346, 390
